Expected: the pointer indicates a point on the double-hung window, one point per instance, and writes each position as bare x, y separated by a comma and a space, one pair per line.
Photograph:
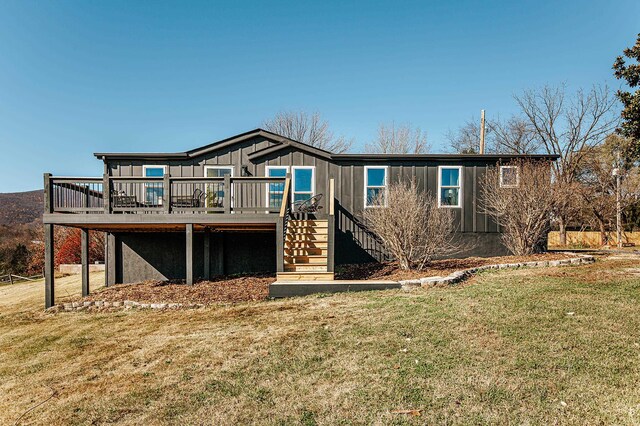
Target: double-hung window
375, 186
275, 191
509, 176
153, 191
449, 186
304, 185
215, 190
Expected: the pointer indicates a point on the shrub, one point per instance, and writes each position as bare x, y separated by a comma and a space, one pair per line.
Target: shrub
524, 210
412, 228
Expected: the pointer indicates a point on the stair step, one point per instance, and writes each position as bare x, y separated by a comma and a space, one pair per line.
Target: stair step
307, 237
306, 244
305, 259
305, 268
305, 251
310, 222
312, 276
305, 231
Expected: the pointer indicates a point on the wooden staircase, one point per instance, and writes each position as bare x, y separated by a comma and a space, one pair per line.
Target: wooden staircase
306, 247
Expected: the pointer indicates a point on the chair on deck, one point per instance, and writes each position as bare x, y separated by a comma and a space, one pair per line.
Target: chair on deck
119, 199
310, 205
194, 200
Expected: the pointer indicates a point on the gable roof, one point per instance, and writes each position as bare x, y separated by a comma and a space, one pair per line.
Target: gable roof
281, 143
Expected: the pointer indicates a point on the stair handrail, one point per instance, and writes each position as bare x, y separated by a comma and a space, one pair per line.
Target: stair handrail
285, 196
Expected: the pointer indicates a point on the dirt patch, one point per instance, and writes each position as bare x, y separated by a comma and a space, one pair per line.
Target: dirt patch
222, 289
391, 271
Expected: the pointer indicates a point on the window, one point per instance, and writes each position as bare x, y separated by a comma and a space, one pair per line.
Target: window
509, 176
449, 186
215, 190
275, 191
303, 182
375, 186
153, 191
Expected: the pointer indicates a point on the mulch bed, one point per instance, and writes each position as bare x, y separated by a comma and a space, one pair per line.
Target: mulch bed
234, 289
391, 271
222, 289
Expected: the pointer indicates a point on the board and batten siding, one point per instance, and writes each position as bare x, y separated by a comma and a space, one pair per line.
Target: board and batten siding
349, 179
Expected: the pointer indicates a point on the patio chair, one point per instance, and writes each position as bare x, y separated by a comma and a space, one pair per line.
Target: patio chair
310, 205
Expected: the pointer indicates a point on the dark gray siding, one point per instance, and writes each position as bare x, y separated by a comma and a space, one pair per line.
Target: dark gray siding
161, 255
353, 242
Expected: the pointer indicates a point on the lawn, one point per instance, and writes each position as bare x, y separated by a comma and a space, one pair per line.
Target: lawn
536, 346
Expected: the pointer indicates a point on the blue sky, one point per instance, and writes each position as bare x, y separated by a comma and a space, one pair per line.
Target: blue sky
80, 77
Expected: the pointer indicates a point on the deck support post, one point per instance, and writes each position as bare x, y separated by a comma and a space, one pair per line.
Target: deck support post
207, 254
189, 251
280, 245
110, 260
84, 257
49, 269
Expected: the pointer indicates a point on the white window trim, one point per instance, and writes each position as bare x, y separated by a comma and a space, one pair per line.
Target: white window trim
266, 174
227, 167
146, 185
386, 186
207, 167
502, 185
460, 186
293, 181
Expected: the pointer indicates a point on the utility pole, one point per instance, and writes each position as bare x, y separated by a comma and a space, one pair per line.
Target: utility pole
481, 131
617, 174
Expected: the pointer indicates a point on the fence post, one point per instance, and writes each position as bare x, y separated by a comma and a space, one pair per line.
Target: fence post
10, 279
227, 194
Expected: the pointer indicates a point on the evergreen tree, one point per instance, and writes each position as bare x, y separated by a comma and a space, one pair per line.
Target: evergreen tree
630, 126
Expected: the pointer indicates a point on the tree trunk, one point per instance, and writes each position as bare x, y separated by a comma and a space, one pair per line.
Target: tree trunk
562, 231
603, 232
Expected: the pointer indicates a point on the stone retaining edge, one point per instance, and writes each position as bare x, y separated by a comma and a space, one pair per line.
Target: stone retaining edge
453, 278
464, 274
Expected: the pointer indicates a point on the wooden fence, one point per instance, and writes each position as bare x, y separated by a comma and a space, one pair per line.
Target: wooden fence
11, 278
592, 239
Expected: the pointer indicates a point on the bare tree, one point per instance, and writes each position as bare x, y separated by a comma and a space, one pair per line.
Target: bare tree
566, 126
401, 139
466, 139
311, 129
414, 230
598, 183
523, 210
513, 136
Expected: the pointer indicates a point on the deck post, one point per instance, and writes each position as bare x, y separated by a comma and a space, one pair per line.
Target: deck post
189, 268
331, 225
227, 194
48, 194
49, 269
166, 192
207, 254
106, 259
106, 193
84, 257
280, 245
112, 261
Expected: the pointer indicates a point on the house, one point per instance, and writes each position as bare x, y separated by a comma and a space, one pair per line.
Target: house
254, 202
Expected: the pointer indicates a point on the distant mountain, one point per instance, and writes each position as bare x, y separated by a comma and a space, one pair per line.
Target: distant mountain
21, 207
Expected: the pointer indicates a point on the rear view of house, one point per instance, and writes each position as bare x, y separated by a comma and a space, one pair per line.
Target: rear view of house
255, 202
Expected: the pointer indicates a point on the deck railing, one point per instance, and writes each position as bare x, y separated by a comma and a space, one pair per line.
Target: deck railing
167, 194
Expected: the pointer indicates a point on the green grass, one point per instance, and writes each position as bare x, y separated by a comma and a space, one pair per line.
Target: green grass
559, 345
